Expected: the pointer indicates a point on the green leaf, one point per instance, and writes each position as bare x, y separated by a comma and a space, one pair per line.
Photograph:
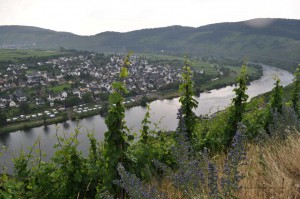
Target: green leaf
117, 85
124, 72
130, 137
115, 98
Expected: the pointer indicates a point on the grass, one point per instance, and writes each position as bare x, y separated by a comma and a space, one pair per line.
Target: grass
195, 63
219, 83
273, 170
59, 88
250, 70
17, 55
230, 79
207, 67
30, 71
160, 56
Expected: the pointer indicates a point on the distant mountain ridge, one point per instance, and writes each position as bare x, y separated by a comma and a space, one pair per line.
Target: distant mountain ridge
277, 38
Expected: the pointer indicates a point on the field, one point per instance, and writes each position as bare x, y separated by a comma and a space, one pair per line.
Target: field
209, 70
17, 55
170, 58
160, 56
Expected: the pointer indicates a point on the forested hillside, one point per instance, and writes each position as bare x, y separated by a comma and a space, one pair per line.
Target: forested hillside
272, 40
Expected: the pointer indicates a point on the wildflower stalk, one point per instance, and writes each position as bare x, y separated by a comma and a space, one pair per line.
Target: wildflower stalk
231, 175
134, 187
296, 90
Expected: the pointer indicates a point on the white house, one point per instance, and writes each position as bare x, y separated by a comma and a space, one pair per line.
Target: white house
12, 104
2, 105
77, 92
22, 99
64, 94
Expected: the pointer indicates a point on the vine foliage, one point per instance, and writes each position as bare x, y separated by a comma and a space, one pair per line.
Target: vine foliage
238, 105
116, 138
275, 103
188, 103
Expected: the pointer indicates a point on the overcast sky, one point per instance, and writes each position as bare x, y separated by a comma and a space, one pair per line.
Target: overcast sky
88, 17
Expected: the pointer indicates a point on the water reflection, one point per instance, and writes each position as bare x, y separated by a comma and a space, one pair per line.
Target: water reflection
28, 133
4, 139
66, 125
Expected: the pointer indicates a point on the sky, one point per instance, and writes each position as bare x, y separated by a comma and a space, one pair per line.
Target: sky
89, 17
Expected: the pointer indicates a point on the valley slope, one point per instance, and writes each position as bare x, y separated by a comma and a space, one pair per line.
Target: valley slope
258, 39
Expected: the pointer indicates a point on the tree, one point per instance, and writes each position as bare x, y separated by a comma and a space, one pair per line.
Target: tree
62, 49
24, 107
3, 118
238, 105
44, 119
87, 98
144, 101
103, 96
188, 103
72, 101
276, 96
296, 90
275, 103
116, 138
145, 126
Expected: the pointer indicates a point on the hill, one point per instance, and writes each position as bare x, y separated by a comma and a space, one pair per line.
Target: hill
261, 39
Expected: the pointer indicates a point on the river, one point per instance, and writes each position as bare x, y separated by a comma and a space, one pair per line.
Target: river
163, 112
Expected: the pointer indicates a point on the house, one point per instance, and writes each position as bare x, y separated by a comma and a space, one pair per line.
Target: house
22, 99
53, 97
20, 96
84, 89
96, 91
51, 103
39, 101
2, 105
76, 92
64, 95
50, 97
12, 104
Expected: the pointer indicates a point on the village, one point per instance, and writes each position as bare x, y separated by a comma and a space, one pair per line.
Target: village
64, 81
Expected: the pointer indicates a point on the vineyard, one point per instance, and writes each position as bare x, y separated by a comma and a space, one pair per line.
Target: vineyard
249, 150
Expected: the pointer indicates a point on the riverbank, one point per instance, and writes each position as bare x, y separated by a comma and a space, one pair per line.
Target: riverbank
208, 86
73, 115
31, 124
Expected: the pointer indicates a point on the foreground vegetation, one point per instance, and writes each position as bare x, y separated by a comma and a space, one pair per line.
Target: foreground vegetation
272, 168
204, 157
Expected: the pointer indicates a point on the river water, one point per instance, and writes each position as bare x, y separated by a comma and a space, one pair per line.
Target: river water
163, 113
